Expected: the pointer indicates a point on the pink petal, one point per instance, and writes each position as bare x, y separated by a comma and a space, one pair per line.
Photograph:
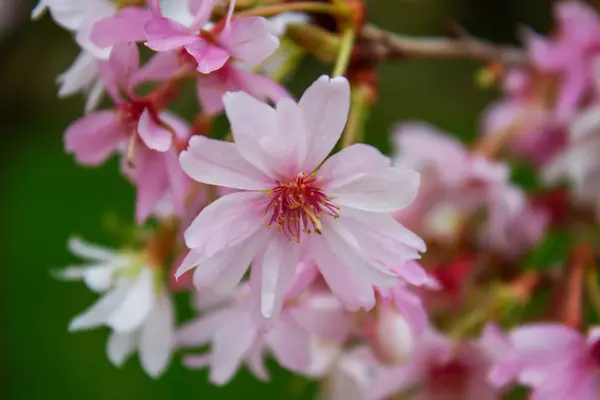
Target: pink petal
202, 330
128, 25
179, 182
249, 39
261, 87
325, 106
324, 317
216, 162
543, 52
574, 86
290, 344
353, 292
412, 308
165, 35
160, 67
95, 137
384, 191
151, 181
351, 162
251, 123
210, 89
124, 62
208, 56
231, 344
256, 363
277, 266
153, 133
288, 147
226, 222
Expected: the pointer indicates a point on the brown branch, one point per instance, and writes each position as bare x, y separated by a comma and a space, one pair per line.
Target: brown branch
379, 45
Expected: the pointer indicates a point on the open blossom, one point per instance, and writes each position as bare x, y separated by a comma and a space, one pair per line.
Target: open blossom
571, 54
557, 362
294, 206
456, 184
133, 304
302, 339
138, 122
440, 369
248, 39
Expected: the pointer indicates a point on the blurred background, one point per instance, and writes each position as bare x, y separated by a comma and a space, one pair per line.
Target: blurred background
46, 197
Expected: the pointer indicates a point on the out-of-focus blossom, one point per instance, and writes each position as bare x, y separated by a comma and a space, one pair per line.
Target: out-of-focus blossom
557, 362
440, 370
155, 135
134, 304
570, 54
580, 163
287, 195
352, 376
526, 117
456, 184
304, 339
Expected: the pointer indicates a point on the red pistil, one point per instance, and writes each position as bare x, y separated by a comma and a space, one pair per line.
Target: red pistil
296, 206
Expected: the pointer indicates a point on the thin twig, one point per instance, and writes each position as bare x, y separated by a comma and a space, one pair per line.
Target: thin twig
383, 45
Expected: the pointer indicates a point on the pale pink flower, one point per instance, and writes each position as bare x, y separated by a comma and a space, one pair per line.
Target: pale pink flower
134, 305
570, 54
440, 369
541, 136
247, 39
98, 135
291, 204
554, 360
299, 339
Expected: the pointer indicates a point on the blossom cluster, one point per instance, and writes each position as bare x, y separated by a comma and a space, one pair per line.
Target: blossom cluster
377, 276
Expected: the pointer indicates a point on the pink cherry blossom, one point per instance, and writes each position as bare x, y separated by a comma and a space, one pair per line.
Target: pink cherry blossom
440, 370
457, 184
98, 135
292, 205
570, 54
554, 360
296, 339
139, 312
247, 39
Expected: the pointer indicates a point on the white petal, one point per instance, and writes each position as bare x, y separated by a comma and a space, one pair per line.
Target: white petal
251, 123
136, 305
586, 124
202, 330
157, 336
230, 346
226, 222
99, 278
325, 106
121, 346
216, 162
90, 251
178, 11
386, 191
290, 344
99, 312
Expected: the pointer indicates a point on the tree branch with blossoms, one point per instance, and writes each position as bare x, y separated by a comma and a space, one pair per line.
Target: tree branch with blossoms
376, 276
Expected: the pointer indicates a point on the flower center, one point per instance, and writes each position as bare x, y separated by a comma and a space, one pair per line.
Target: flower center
297, 205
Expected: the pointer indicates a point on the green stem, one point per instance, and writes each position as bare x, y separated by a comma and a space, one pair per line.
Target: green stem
359, 109
343, 57
306, 6
593, 290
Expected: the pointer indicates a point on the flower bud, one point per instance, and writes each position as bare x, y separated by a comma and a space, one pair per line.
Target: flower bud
390, 335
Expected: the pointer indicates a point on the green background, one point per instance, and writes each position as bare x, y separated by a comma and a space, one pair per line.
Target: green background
46, 197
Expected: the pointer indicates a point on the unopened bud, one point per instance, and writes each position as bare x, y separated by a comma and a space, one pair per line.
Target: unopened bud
391, 337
